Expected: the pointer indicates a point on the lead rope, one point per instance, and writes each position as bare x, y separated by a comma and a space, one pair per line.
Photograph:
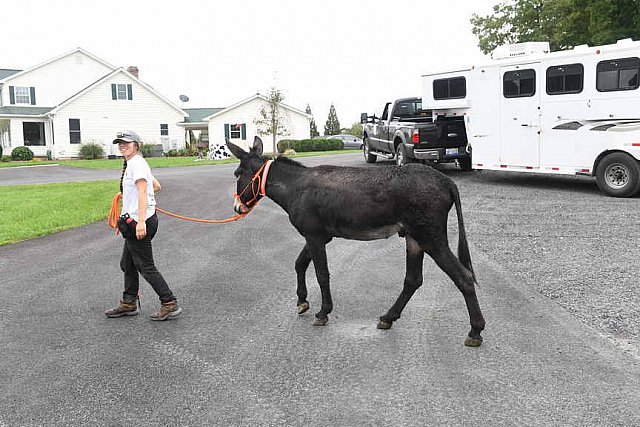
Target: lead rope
260, 176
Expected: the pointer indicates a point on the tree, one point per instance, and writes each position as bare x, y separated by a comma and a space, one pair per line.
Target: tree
313, 129
272, 119
332, 125
356, 129
563, 23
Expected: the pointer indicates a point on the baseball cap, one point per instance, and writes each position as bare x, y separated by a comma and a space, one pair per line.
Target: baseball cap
127, 136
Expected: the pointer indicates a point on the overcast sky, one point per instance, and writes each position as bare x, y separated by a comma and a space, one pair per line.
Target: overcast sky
354, 54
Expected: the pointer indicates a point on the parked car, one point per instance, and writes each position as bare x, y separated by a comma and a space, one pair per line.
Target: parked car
349, 141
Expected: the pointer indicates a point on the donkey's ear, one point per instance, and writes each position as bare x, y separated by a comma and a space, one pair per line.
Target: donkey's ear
257, 146
235, 150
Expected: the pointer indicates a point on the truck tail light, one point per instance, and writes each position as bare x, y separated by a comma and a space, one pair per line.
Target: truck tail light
415, 136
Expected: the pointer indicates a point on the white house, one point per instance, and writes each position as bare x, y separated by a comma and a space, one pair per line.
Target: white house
76, 98
237, 123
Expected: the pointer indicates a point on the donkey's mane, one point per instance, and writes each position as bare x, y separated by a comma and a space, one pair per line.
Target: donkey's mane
287, 160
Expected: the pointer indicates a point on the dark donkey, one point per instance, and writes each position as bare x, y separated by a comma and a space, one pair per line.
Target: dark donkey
324, 202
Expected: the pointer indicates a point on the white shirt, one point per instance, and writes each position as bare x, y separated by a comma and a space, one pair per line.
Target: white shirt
137, 168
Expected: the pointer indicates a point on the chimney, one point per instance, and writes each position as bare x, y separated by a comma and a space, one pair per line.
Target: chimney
133, 70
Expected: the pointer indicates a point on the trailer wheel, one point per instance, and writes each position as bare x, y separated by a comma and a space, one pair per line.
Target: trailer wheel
618, 175
368, 157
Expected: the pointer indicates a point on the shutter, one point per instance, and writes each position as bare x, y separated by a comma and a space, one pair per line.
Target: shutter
243, 129
129, 92
12, 95
114, 92
226, 131
32, 92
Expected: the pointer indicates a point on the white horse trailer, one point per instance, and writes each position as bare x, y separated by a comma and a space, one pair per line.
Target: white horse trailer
568, 112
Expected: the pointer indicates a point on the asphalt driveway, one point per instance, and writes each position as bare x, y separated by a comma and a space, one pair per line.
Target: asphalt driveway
240, 355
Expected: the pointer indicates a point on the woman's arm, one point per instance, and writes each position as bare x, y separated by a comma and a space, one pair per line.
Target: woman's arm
141, 228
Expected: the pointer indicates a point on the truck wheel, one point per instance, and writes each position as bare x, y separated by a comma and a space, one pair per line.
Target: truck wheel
368, 157
401, 155
465, 164
618, 175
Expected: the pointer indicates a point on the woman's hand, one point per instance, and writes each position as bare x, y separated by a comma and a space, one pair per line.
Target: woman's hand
141, 230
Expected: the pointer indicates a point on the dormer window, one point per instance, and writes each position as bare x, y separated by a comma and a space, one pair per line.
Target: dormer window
25, 95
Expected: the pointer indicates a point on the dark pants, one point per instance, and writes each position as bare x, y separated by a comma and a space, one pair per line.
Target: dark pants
137, 256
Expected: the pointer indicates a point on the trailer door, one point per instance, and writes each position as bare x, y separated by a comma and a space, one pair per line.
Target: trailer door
520, 116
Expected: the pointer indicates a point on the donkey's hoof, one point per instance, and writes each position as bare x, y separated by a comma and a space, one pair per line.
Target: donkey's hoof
303, 307
320, 322
473, 342
383, 324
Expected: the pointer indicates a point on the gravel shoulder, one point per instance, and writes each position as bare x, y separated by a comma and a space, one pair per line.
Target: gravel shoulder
562, 238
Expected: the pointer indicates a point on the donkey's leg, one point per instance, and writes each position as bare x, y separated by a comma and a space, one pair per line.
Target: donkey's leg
317, 250
302, 263
447, 261
412, 281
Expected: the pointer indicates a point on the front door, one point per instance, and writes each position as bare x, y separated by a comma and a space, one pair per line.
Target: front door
520, 115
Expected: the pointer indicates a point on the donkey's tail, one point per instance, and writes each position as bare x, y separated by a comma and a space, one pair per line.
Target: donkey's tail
463, 247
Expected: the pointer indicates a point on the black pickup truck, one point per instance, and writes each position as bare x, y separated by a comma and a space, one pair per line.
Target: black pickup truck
407, 133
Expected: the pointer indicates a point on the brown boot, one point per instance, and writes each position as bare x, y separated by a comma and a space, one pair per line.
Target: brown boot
166, 311
123, 309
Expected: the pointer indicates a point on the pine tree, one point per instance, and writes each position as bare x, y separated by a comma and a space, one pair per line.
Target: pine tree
313, 129
332, 126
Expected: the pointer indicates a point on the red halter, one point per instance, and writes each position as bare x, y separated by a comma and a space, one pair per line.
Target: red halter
261, 177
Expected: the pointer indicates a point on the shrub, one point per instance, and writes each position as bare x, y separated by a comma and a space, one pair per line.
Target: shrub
303, 145
5, 159
21, 153
171, 153
91, 151
145, 150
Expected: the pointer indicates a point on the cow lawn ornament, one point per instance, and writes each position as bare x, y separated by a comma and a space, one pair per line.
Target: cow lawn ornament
218, 152
324, 202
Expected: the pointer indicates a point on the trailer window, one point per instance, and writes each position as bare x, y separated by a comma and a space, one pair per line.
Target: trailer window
453, 88
519, 83
563, 79
617, 74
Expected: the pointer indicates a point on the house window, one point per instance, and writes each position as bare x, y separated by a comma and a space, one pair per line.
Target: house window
33, 133
164, 129
453, 88
519, 83
617, 74
22, 95
121, 91
565, 79
235, 131
74, 131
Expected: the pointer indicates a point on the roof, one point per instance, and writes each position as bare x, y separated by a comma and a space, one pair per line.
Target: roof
24, 111
78, 49
5, 72
251, 98
116, 71
197, 115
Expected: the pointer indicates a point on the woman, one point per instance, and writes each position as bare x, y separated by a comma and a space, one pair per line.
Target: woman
138, 187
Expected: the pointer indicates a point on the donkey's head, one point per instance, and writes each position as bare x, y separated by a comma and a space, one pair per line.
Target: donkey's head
248, 175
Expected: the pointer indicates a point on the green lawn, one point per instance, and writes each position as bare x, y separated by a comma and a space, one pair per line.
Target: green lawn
30, 211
